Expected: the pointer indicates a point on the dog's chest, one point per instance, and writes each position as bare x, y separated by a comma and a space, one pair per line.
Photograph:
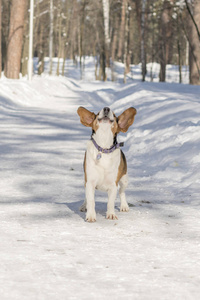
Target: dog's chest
102, 168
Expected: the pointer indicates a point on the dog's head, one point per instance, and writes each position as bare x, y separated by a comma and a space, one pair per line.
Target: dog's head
107, 119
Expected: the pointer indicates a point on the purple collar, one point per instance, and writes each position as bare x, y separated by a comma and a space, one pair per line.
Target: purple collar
110, 150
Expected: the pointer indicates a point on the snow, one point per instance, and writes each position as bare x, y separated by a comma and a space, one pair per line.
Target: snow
47, 250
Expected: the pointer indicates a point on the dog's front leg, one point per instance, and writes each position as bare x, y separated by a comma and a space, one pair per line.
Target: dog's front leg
89, 194
112, 193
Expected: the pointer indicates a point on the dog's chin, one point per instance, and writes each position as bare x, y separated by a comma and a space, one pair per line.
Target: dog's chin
105, 120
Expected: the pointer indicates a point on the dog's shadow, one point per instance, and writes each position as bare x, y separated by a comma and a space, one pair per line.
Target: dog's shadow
100, 207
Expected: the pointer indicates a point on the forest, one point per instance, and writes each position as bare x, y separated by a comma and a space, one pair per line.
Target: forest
127, 31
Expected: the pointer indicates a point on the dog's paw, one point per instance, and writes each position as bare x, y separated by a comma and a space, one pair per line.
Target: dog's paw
90, 217
124, 208
111, 216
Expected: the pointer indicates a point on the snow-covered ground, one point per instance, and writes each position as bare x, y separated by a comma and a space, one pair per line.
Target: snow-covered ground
47, 250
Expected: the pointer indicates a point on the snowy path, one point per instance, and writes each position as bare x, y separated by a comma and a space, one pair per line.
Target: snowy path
47, 251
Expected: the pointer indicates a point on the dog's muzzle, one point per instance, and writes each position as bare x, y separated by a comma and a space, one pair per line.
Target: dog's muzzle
106, 115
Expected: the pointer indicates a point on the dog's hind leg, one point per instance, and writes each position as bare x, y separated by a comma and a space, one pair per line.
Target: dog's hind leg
123, 185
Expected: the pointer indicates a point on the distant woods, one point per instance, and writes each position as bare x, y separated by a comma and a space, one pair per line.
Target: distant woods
127, 31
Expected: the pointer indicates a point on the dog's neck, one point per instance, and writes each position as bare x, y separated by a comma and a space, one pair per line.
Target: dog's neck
104, 137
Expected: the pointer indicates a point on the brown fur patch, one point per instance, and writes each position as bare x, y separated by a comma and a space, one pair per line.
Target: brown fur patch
122, 168
115, 126
95, 126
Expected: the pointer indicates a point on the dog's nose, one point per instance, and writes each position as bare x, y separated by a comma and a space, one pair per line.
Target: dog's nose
106, 110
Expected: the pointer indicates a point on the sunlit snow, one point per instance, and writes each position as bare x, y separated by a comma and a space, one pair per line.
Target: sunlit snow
47, 250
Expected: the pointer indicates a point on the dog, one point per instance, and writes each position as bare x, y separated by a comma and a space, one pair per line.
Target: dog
105, 164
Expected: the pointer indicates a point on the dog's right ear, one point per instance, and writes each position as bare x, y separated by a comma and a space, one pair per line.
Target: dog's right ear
86, 117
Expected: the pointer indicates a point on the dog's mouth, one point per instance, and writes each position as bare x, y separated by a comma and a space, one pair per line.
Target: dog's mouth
105, 120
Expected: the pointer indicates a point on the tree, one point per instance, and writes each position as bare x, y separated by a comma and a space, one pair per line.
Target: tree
25, 49
82, 13
165, 37
0, 43
51, 38
122, 29
194, 56
15, 39
59, 36
143, 51
126, 40
106, 29
193, 20
105, 44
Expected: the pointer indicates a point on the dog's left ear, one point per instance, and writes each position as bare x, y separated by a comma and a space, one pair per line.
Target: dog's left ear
86, 117
126, 119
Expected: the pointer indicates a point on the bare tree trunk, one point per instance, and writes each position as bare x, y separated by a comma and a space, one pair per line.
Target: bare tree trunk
15, 39
25, 51
82, 19
143, 52
100, 70
64, 58
128, 59
187, 53
106, 30
103, 64
51, 38
114, 42
65, 36
97, 65
194, 56
179, 50
152, 43
125, 41
122, 28
105, 48
163, 40
191, 15
59, 39
179, 61
41, 51
73, 28
0, 43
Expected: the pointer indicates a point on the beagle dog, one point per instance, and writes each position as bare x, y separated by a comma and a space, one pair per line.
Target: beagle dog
105, 164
